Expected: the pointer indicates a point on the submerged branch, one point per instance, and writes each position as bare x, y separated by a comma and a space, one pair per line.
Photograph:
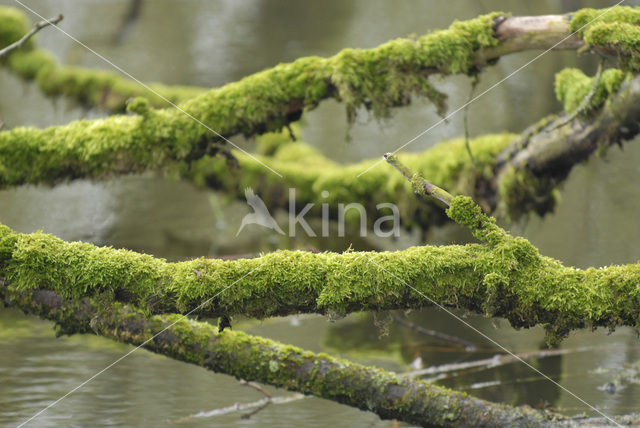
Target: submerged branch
468, 346
238, 407
495, 361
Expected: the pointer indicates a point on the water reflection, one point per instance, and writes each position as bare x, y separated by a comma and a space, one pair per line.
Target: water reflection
210, 43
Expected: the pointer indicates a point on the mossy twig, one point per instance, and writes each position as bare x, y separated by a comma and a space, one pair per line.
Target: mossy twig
421, 186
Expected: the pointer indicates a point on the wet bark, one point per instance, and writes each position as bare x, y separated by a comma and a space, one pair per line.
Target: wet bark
256, 359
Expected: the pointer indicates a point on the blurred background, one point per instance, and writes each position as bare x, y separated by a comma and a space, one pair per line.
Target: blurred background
210, 43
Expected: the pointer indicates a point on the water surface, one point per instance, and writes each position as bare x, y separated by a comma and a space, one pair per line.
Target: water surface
209, 43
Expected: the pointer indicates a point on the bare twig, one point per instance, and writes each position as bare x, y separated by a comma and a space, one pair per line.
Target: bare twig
237, 407
257, 387
443, 336
497, 360
419, 184
474, 83
39, 26
129, 21
267, 401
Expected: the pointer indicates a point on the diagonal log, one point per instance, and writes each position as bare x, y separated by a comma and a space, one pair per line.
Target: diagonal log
257, 359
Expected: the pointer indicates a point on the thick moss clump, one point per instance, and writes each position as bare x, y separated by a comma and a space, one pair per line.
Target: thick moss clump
572, 86
377, 79
617, 29
504, 276
585, 19
388, 75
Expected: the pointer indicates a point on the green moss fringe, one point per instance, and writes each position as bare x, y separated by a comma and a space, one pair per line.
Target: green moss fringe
504, 277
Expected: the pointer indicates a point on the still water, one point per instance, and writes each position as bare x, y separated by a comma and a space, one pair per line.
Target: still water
209, 43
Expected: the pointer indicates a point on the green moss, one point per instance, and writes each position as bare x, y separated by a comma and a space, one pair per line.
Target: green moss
586, 18
375, 79
520, 192
389, 75
572, 86
623, 38
311, 173
7, 243
28, 64
467, 213
92, 88
617, 29
505, 277
14, 25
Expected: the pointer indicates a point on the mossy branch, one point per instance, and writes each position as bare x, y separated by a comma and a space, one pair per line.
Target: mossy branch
505, 35
528, 172
503, 277
378, 79
477, 46
257, 359
516, 174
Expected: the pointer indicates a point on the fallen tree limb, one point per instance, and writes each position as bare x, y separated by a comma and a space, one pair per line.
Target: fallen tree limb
518, 173
262, 360
502, 277
238, 407
527, 172
111, 91
378, 79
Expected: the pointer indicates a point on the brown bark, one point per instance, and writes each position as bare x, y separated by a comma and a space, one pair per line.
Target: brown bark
257, 359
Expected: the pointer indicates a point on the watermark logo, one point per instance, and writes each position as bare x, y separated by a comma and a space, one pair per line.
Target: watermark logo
260, 214
384, 225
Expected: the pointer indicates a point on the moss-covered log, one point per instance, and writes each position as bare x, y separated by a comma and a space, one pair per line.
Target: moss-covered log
502, 277
257, 359
377, 79
111, 91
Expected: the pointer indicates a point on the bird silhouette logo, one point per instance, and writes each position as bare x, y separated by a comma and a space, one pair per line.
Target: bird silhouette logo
260, 214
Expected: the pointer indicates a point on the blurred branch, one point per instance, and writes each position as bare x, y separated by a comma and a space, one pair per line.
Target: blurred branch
238, 407
39, 26
128, 21
495, 361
